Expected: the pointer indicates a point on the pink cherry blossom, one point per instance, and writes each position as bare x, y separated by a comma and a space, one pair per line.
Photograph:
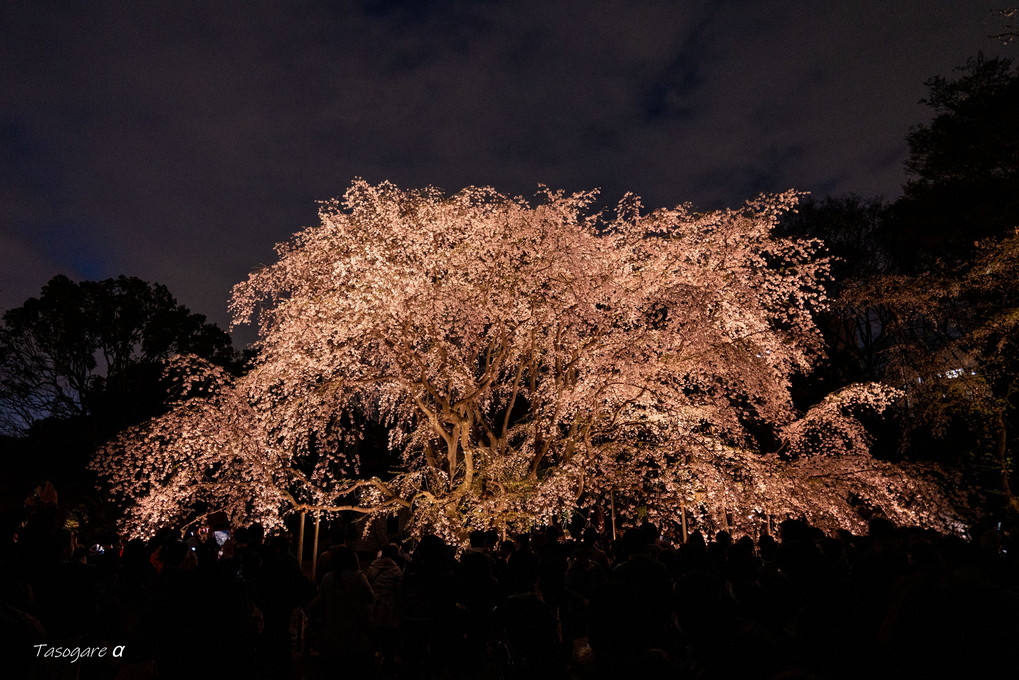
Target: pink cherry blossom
528, 360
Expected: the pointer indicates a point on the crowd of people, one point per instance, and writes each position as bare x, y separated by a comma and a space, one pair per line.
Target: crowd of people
897, 602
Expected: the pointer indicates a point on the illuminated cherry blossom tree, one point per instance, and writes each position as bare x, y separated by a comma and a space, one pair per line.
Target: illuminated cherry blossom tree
526, 359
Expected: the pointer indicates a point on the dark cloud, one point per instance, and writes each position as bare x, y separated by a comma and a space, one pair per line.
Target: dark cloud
179, 141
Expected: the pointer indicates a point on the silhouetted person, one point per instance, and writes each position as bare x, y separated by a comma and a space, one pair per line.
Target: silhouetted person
344, 599
384, 576
428, 606
280, 588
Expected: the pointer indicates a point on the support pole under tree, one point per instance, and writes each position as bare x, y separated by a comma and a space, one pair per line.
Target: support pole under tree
612, 507
682, 515
314, 545
300, 541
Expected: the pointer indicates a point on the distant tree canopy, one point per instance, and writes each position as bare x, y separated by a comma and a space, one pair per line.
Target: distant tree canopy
854, 233
95, 348
963, 165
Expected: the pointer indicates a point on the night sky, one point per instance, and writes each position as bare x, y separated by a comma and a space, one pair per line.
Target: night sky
179, 141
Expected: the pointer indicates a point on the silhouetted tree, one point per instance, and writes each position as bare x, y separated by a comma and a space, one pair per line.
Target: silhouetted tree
96, 348
963, 165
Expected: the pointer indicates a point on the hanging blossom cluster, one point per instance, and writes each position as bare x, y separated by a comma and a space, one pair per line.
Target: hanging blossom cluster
823, 473
204, 454
527, 360
212, 453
